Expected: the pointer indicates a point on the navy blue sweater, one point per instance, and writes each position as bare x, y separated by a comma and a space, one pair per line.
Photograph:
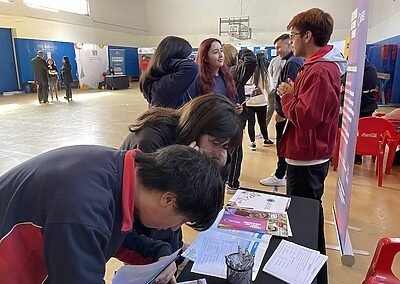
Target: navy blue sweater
169, 89
62, 216
289, 71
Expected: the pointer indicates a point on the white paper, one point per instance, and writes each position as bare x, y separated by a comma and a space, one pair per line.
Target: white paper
293, 263
141, 274
208, 251
260, 201
211, 258
199, 281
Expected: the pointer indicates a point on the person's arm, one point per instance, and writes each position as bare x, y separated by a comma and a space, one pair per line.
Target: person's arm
74, 253
140, 249
243, 71
169, 89
312, 103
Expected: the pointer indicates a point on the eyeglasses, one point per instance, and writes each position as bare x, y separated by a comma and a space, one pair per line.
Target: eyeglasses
292, 35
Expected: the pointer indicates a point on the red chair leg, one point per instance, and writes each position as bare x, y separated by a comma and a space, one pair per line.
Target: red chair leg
390, 158
379, 166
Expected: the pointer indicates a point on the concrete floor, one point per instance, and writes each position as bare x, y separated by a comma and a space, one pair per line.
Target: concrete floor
28, 129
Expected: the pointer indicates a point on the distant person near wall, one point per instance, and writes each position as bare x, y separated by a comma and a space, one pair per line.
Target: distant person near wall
66, 77
39, 67
53, 78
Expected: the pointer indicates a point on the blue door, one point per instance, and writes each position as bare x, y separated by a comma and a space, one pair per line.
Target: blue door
8, 73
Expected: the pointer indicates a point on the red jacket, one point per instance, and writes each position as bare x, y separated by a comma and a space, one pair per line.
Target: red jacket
313, 110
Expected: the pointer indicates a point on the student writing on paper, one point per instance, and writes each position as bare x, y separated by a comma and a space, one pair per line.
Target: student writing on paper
65, 213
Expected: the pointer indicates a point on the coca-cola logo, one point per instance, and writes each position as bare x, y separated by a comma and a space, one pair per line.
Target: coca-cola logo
369, 135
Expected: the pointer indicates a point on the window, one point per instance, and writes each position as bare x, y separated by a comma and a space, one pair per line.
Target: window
73, 6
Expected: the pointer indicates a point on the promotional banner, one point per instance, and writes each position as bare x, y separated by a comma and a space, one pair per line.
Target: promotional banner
351, 111
117, 61
92, 61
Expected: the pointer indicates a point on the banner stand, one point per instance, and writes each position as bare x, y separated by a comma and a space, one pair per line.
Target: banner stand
347, 253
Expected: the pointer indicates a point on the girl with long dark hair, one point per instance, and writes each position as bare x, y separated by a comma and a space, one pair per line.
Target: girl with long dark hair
66, 77
169, 74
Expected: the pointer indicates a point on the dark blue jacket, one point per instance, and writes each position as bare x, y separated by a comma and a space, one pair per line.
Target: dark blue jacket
169, 90
62, 216
289, 70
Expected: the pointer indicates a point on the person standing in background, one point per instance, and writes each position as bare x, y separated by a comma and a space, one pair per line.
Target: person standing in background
257, 104
289, 71
39, 67
170, 73
242, 68
66, 77
53, 78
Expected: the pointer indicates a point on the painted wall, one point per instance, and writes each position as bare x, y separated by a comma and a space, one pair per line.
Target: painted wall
8, 73
26, 49
106, 24
384, 20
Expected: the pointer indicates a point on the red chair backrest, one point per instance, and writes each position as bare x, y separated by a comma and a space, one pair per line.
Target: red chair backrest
370, 130
380, 269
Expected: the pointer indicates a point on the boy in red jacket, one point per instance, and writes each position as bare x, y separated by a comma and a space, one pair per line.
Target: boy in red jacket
311, 105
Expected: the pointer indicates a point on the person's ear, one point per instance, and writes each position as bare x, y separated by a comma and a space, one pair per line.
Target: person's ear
168, 199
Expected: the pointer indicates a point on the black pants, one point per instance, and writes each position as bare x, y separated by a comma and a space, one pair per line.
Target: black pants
68, 91
308, 181
281, 165
43, 91
261, 113
236, 165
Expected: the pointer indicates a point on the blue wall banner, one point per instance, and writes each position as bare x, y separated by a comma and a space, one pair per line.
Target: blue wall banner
27, 48
117, 60
131, 60
351, 111
8, 74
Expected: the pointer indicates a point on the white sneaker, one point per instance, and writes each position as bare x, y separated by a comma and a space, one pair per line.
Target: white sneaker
252, 146
273, 181
259, 135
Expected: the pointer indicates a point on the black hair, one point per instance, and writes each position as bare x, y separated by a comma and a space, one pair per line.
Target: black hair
192, 175
171, 47
282, 37
211, 114
66, 60
260, 78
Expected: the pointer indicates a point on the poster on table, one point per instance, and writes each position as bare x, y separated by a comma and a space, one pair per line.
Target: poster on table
351, 110
92, 61
117, 61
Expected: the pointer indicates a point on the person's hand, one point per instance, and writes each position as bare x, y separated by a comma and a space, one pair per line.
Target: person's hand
279, 118
239, 108
286, 88
194, 146
167, 276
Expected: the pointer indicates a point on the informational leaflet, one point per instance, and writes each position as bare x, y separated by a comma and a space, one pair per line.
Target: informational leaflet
259, 201
142, 274
295, 264
213, 248
208, 251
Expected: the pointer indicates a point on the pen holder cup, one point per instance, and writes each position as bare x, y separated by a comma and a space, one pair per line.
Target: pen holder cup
237, 273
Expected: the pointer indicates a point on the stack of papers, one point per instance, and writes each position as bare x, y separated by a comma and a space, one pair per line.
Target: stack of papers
208, 251
143, 274
260, 201
295, 264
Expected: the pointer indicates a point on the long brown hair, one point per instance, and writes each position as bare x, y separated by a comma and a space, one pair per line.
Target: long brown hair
210, 114
206, 75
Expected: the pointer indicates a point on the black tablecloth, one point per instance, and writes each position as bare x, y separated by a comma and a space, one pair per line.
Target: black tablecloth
116, 82
303, 216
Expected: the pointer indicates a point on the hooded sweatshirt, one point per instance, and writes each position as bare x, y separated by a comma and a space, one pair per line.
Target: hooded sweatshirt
313, 110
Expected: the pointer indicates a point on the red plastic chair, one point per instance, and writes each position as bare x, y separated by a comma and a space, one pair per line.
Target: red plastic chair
374, 133
380, 270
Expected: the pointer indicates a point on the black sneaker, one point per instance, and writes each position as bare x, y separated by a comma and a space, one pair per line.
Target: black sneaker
267, 143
